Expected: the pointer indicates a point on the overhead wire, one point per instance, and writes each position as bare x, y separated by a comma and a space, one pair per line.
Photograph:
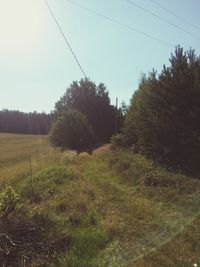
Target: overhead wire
65, 38
119, 23
175, 15
162, 19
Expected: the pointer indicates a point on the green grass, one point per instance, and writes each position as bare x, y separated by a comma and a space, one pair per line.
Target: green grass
18, 150
145, 208
111, 209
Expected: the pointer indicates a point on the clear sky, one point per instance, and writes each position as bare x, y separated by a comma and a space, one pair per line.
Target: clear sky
36, 66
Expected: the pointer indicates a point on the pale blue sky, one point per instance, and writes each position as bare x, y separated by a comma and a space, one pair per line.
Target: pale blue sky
36, 66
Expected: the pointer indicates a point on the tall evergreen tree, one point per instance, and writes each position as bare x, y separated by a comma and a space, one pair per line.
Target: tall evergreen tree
164, 116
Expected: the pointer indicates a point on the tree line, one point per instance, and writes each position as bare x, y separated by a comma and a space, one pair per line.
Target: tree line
163, 120
25, 123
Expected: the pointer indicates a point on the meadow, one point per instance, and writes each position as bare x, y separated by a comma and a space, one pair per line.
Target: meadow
113, 208
22, 154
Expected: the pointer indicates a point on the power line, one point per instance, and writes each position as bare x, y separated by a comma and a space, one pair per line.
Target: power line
162, 19
65, 38
120, 23
175, 15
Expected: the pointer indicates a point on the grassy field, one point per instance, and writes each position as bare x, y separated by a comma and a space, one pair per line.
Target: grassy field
110, 209
17, 151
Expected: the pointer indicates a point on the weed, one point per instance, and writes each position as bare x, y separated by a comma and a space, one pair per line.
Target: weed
68, 157
9, 201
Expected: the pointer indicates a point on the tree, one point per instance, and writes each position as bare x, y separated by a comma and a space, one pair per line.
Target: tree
93, 101
72, 131
163, 120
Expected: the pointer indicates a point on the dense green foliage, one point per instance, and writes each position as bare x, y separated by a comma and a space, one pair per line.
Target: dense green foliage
163, 121
93, 102
24, 123
71, 130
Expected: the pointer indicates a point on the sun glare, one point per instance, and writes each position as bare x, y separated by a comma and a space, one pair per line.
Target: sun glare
20, 26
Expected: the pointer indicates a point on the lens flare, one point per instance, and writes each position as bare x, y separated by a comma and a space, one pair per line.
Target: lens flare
20, 26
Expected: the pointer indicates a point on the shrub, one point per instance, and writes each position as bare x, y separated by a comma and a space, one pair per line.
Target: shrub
72, 131
9, 201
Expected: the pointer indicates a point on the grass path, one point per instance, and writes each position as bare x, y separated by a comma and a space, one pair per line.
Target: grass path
142, 224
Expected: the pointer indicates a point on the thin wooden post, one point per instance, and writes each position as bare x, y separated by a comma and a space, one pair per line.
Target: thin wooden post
31, 173
116, 116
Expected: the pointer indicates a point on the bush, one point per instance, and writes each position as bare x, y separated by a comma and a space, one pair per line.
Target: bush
9, 201
72, 131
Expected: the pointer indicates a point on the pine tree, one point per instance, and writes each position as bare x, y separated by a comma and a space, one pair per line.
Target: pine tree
164, 116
